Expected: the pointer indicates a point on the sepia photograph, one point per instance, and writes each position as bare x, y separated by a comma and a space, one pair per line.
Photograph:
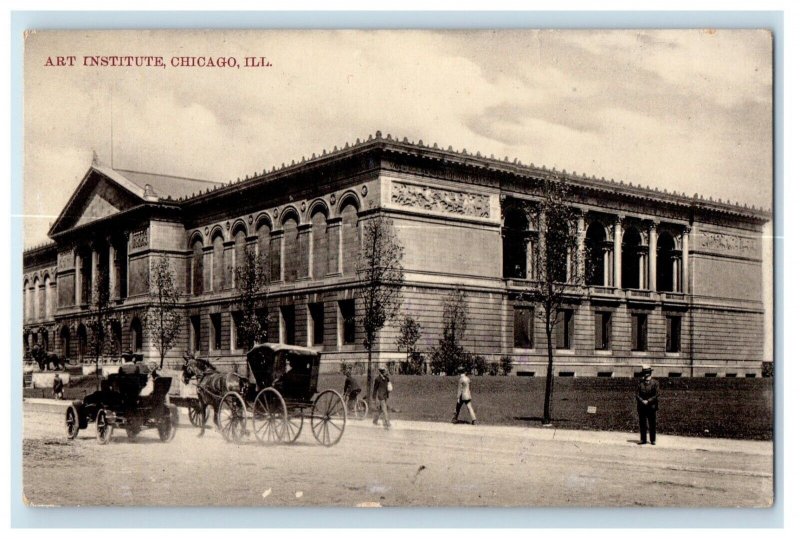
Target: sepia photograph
398, 268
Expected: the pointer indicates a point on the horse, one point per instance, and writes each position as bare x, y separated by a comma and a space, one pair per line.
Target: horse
45, 359
211, 385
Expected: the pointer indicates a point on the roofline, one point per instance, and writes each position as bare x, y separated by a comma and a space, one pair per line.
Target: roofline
516, 167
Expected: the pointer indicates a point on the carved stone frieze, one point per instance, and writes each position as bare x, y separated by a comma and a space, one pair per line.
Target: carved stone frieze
440, 200
727, 244
140, 239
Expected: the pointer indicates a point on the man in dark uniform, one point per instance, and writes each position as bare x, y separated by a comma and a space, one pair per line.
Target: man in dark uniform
647, 405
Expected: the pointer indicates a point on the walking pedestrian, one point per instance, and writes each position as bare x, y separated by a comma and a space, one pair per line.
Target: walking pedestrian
647, 405
58, 387
464, 397
380, 392
351, 389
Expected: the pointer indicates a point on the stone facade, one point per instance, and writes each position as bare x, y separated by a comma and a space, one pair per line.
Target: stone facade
675, 282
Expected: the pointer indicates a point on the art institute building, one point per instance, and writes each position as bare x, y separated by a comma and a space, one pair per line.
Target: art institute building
675, 281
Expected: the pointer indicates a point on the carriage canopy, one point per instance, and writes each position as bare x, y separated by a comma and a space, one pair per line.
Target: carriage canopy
292, 370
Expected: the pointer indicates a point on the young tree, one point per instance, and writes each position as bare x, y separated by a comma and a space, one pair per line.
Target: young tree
380, 272
557, 275
449, 354
99, 319
407, 341
163, 319
252, 284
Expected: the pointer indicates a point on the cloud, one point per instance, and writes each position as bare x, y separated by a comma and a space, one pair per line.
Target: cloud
676, 109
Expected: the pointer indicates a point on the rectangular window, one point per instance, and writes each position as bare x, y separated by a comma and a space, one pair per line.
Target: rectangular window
287, 324
638, 332
605, 374
347, 321
730, 375
237, 339
523, 327
673, 334
602, 330
216, 332
563, 329
194, 330
316, 320
263, 318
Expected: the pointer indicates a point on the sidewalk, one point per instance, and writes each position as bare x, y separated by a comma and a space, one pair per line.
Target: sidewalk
753, 447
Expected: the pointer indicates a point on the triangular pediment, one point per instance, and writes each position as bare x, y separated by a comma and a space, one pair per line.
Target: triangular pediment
97, 197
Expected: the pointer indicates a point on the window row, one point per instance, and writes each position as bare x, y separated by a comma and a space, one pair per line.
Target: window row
520, 248
564, 330
38, 299
324, 247
221, 330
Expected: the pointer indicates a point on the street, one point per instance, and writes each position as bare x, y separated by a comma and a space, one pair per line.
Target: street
412, 464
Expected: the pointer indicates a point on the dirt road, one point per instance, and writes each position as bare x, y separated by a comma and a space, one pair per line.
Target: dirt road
417, 464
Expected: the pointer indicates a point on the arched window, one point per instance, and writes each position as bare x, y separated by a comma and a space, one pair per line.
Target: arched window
64, 336
136, 334
239, 246
595, 262
37, 311
218, 263
197, 267
82, 342
26, 299
665, 254
515, 244
631, 259
319, 248
350, 242
264, 235
291, 251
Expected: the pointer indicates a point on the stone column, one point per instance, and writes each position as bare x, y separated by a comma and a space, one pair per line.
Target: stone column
642, 270
78, 279
676, 274
652, 242
685, 260
608, 260
95, 270
113, 292
618, 252
579, 254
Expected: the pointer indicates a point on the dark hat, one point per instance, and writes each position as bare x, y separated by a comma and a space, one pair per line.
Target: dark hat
382, 368
647, 368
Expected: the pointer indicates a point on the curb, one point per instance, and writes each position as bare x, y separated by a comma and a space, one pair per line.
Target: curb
622, 439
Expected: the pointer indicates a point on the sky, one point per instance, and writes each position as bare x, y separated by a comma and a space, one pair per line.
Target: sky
684, 110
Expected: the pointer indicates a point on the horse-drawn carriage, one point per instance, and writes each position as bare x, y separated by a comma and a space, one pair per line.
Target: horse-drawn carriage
135, 398
280, 396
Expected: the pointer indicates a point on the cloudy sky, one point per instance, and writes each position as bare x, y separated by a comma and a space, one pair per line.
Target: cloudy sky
686, 110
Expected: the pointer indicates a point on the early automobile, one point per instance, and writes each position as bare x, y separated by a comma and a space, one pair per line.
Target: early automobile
135, 398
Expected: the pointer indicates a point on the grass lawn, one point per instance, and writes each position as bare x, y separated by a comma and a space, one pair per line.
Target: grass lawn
715, 407
719, 407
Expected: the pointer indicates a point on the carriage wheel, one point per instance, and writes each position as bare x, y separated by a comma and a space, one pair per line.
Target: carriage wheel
361, 409
73, 422
232, 417
294, 424
197, 414
168, 423
328, 417
269, 416
104, 428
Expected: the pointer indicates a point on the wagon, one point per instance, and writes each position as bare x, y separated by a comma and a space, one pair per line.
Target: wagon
283, 397
120, 404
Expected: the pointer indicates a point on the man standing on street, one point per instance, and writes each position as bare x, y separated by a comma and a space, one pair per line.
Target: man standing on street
647, 405
380, 392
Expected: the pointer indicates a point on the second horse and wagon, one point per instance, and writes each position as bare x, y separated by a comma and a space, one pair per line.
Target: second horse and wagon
273, 403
